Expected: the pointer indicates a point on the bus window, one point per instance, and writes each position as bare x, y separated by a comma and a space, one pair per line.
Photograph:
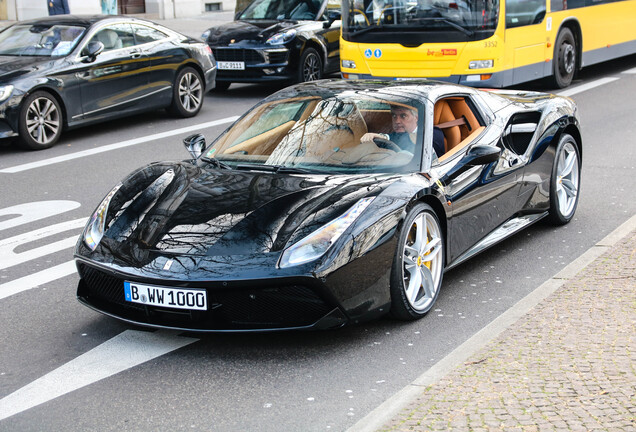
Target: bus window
524, 12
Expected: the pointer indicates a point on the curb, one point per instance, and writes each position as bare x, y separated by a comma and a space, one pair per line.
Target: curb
392, 406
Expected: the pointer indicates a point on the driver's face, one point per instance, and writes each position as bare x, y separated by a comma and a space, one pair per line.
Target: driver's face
403, 120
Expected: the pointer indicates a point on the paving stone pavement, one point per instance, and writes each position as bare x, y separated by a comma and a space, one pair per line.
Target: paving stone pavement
567, 365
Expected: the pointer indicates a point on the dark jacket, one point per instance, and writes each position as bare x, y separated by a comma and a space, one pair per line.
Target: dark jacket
58, 7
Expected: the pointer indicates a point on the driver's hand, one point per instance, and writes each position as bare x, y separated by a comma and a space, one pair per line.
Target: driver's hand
369, 136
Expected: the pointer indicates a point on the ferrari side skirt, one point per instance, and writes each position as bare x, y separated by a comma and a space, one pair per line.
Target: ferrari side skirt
504, 231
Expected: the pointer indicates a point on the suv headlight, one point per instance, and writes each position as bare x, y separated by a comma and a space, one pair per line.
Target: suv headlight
317, 243
96, 226
281, 38
5, 92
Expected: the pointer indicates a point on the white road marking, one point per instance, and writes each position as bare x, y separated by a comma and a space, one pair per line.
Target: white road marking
124, 351
33, 211
584, 87
630, 71
8, 258
37, 279
116, 146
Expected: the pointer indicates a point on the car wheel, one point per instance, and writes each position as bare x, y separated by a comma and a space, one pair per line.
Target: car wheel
187, 93
222, 86
565, 181
418, 265
564, 60
40, 122
310, 66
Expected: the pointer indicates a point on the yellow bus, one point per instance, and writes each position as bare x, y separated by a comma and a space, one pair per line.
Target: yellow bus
483, 43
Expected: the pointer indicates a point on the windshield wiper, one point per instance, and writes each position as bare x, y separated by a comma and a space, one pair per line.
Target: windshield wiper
450, 23
366, 29
279, 169
215, 162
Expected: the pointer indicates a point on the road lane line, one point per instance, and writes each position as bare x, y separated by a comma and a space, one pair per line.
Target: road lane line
584, 87
33, 211
8, 258
630, 71
37, 279
126, 350
102, 149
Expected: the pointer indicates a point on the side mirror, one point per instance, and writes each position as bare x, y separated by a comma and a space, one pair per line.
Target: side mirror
195, 144
479, 154
92, 50
332, 15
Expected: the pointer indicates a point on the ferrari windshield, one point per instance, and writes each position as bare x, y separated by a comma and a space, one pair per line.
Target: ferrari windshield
40, 40
281, 10
344, 133
367, 16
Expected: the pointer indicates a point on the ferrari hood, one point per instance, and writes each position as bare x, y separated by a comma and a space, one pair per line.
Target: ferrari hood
256, 31
181, 209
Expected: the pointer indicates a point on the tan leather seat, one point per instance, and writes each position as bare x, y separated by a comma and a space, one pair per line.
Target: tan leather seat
442, 113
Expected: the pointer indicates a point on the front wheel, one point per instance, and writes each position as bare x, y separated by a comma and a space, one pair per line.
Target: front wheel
418, 265
564, 182
564, 59
187, 93
41, 121
310, 66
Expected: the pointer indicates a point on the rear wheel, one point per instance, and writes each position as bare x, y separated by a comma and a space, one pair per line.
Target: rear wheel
564, 182
41, 121
418, 266
564, 60
187, 93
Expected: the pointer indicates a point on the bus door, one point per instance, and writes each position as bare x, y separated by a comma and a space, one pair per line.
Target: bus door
526, 40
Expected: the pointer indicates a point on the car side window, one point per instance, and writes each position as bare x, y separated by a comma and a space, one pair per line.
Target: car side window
145, 34
115, 36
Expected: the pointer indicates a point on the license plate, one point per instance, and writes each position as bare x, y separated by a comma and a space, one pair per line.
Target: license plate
178, 298
229, 65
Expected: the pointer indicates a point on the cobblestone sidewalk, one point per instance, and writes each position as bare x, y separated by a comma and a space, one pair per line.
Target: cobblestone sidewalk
567, 365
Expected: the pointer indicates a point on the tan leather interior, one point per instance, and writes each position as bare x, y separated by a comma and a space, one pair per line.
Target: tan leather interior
264, 143
456, 137
378, 121
475, 133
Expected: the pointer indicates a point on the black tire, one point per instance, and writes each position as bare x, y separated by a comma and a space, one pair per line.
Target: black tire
564, 59
411, 304
187, 93
222, 86
565, 181
41, 121
309, 66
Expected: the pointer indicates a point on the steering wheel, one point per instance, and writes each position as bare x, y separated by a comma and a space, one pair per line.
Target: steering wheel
386, 144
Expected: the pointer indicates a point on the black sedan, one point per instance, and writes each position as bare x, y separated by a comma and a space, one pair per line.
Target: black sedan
277, 40
66, 71
312, 211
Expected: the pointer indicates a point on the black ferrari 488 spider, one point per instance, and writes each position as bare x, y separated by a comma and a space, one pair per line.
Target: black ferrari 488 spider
328, 203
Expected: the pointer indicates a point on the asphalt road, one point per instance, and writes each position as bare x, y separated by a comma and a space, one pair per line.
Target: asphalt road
65, 367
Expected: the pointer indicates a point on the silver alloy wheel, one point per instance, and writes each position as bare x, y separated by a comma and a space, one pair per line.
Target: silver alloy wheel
567, 184
43, 120
190, 91
422, 268
311, 67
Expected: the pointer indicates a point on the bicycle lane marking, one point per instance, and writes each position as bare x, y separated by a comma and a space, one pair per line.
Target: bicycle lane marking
116, 146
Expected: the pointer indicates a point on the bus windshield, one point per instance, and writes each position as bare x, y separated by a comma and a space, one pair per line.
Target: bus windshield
380, 16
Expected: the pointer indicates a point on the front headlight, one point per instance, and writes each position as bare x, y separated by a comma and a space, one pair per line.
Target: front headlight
317, 243
5, 92
96, 226
205, 35
281, 38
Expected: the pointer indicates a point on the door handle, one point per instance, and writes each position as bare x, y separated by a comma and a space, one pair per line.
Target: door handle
135, 54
